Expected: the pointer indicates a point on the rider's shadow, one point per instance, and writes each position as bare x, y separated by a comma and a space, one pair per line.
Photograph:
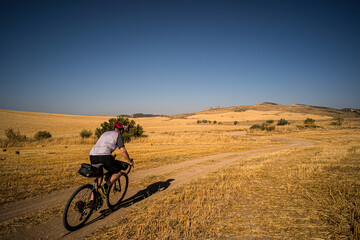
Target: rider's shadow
145, 193
139, 196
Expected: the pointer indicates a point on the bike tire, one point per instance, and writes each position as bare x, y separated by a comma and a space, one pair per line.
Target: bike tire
77, 209
117, 191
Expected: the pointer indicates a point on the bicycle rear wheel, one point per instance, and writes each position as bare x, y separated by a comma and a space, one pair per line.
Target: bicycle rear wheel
117, 191
78, 208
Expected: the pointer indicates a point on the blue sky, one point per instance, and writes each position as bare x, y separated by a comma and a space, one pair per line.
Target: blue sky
168, 57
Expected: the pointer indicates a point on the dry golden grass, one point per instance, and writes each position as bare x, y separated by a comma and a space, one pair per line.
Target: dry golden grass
59, 125
253, 115
53, 163
54, 167
310, 193
302, 193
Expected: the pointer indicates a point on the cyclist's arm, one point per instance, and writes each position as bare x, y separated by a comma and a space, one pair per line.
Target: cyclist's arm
126, 156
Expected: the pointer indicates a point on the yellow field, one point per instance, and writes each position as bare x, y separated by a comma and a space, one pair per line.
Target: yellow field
59, 125
310, 193
253, 115
303, 193
53, 163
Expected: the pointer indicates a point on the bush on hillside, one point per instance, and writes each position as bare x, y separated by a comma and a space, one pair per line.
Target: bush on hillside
309, 121
270, 121
282, 122
255, 127
337, 121
14, 136
42, 135
85, 133
267, 127
235, 122
131, 129
205, 121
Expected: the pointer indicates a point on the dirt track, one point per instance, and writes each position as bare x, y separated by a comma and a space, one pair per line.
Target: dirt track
53, 229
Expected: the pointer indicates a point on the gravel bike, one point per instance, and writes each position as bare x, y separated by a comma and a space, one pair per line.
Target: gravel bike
86, 199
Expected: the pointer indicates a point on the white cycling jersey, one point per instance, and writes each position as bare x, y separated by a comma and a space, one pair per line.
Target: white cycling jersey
107, 143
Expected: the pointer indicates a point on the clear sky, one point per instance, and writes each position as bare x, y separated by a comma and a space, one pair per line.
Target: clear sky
167, 57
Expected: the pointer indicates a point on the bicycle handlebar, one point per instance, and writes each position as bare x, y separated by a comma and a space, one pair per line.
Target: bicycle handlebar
129, 169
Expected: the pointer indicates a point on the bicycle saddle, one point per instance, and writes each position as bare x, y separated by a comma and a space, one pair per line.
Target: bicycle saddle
98, 165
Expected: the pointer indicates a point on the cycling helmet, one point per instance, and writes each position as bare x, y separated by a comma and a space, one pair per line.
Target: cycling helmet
119, 126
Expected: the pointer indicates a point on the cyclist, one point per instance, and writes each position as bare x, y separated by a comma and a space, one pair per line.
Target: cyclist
101, 153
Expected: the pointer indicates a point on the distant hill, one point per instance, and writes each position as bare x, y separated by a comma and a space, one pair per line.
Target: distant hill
294, 108
140, 115
269, 106
211, 108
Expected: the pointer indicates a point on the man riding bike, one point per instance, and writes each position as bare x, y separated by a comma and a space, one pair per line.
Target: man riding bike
101, 153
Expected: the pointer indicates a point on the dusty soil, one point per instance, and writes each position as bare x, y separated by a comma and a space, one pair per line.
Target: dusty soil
178, 174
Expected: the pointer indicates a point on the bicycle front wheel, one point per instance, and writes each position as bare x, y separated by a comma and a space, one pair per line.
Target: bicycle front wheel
78, 209
117, 191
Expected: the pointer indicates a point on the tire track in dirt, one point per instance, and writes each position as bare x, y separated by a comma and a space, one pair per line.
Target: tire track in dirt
54, 229
20, 208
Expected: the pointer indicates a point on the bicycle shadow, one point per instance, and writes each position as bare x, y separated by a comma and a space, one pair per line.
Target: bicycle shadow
139, 196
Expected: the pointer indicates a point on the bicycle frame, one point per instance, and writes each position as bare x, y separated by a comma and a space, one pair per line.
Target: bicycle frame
79, 209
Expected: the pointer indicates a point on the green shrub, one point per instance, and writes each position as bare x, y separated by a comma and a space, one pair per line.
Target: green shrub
14, 136
309, 121
269, 121
205, 121
337, 121
282, 122
255, 126
270, 128
42, 135
235, 122
214, 122
85, 133
266, 127
131, 129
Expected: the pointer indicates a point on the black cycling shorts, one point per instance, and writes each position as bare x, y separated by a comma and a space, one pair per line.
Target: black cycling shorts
110, 164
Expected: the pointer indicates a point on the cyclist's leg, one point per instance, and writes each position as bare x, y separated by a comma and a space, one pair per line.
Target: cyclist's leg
97, 160
114, 167
115, 177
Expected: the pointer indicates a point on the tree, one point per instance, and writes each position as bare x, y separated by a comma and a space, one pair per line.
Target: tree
235, 122
131, 129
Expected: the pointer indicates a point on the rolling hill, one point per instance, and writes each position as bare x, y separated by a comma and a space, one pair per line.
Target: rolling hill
294, 108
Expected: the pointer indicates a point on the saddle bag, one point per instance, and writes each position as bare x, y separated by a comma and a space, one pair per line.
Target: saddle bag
87, 170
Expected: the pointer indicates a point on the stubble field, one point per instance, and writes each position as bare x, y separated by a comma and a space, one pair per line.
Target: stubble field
302, 193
